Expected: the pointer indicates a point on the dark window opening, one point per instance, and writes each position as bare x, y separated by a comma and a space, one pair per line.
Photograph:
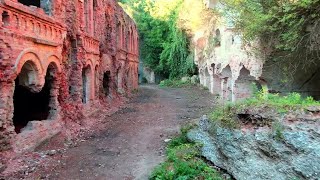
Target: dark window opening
30, 2
30, 106
106, 81
5, 18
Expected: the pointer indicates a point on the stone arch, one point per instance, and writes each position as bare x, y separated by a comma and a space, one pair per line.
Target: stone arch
226, 72
28, 55
37, 105
29, 68
244, 85
54, 61
90, 63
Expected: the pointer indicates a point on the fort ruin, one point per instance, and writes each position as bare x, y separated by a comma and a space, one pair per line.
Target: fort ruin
60, 60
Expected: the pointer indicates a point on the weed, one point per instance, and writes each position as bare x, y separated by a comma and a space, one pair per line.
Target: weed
184, 162
277, 130
225, 115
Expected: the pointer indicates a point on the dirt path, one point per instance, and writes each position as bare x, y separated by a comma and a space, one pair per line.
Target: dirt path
133, 142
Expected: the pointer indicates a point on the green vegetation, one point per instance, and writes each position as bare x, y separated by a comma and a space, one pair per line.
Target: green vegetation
226, 115
176, 83
277, 129
286, 26
282, 103
184, 162
164, 28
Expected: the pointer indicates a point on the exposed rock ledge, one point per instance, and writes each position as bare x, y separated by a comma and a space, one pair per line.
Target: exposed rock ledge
258, 155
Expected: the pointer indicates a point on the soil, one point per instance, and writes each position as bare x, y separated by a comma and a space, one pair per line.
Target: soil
130, 142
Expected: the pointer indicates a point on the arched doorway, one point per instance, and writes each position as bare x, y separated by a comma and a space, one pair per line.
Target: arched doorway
32, 105
244, 84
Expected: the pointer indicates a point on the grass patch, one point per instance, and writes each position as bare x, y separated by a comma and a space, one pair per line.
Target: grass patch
283, 104
184, 162
226, 115
176, 83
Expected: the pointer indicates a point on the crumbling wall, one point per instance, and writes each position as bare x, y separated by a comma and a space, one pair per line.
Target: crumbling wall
219, 46
78, 39
221, 57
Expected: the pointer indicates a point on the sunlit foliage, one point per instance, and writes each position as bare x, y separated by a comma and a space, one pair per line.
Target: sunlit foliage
164, 26
285, 22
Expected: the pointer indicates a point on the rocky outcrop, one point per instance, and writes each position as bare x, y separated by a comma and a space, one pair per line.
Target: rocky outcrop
259, 153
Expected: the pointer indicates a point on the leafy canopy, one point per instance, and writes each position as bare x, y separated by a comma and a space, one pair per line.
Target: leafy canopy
164, 29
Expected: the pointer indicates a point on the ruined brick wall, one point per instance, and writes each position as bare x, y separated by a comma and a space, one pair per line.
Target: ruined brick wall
86, 49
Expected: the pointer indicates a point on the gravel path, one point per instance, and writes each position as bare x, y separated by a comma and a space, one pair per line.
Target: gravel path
132, 143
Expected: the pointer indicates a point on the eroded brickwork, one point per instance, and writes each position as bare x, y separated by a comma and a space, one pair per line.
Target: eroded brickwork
58, 61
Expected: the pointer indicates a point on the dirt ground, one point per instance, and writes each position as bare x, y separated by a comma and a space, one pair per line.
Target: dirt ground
132, 141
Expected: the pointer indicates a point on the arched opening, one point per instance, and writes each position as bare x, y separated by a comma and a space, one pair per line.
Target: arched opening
245, 84
5, 18
226, 84
30, 105
106, 81
86, 84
